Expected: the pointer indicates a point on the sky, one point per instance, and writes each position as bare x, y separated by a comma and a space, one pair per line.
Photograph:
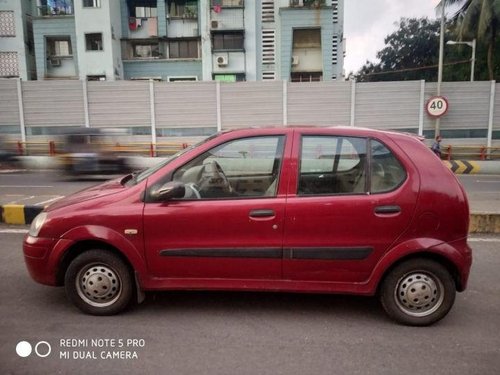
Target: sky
368, 22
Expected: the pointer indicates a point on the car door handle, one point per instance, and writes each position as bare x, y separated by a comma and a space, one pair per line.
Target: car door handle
386, 210
262, 213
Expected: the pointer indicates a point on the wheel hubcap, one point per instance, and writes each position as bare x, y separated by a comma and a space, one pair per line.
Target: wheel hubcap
419, 294
98, 285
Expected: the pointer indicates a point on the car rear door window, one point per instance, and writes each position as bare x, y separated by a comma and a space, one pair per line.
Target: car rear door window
332, 165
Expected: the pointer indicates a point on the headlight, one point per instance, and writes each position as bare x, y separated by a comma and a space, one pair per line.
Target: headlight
37, 224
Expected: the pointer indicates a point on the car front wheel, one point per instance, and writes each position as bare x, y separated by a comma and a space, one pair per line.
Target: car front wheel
99, 283
418, 292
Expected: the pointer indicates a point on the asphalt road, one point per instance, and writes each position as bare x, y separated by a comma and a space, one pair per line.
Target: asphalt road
245, 333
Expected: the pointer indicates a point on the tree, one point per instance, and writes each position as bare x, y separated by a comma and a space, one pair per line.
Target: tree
478, 19
412, 53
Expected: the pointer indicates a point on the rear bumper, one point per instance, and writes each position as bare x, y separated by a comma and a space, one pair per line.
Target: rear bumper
465, 272
460, 253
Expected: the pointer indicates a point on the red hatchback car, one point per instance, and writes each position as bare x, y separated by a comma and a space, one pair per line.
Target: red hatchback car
296, 209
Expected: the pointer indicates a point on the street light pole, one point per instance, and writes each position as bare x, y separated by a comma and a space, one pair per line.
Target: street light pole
473, 57
473, 60
440, 64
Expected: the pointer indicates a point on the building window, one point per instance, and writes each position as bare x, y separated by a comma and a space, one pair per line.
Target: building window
9, 66
182, 79
232, 40
55, 7
182, 8
60, 46
146, 50
96, 78
306, 76
91, 3
228, 3
93, 42
183, 49
7, 25
240, 77
145, 12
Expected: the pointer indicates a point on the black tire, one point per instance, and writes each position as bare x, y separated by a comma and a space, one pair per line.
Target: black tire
418, 292
99, 283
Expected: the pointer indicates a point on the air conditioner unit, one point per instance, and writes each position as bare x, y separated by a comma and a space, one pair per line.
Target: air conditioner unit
296, 3
55, 62
222, 60
295, 60
215, 24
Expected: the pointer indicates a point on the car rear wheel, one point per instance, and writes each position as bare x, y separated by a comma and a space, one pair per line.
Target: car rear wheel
99, 283
418, 292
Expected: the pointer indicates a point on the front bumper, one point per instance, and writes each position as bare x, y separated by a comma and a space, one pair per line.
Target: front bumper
42, 257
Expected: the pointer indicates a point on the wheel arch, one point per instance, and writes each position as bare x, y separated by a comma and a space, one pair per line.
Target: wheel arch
424, 254
85, 245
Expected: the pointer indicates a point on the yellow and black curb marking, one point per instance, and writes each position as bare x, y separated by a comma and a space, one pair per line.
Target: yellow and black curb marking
463, 166
19, 213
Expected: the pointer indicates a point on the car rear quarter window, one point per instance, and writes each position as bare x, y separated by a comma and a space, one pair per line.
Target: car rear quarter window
387, 173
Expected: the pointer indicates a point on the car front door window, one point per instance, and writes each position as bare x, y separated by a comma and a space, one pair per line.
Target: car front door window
243, 168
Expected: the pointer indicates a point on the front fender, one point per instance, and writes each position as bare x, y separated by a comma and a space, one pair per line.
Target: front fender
103, 234
420, 246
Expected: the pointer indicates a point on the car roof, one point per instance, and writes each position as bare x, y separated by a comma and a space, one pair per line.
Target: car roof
310, 129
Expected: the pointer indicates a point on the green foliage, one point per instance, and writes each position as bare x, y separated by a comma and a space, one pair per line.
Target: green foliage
479, 19
412, 53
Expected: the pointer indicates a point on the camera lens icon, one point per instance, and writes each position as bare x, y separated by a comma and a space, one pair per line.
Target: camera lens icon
23, 349
42, 349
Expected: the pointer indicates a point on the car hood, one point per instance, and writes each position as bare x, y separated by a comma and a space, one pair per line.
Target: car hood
98, 191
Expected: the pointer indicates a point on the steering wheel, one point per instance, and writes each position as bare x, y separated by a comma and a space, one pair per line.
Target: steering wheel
214, 178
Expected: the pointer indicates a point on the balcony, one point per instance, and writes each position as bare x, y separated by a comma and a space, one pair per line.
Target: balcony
182, 19
143, 27
60, 67
228, 19
182, 28
307, 3
228, 3
55, 8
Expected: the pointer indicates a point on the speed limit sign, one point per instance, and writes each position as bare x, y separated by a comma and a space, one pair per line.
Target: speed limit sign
437, 106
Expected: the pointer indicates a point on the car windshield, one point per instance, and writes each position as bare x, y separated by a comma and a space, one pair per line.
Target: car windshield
135, 178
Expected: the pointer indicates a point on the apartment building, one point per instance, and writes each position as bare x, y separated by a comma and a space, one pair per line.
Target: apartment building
16, 40
187, 40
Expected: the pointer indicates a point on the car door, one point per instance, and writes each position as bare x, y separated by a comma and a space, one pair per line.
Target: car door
351, 200
230, 222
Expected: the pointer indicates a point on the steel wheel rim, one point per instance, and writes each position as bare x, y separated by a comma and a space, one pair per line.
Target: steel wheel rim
98, 285
419, 294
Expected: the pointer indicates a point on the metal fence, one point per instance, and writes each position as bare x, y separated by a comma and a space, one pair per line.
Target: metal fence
153, 111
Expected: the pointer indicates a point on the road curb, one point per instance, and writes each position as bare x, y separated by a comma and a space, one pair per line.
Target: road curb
482, 222
19, 213
482, 167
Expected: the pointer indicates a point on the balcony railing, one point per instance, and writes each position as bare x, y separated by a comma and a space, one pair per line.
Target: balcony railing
53, 11
307, 3
228, 3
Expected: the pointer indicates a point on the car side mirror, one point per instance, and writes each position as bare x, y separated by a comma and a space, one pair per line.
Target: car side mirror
170, 190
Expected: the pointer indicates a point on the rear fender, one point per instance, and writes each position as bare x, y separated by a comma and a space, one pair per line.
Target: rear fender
420, 246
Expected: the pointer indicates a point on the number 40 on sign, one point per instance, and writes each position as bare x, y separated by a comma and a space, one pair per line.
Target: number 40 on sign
437, 106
